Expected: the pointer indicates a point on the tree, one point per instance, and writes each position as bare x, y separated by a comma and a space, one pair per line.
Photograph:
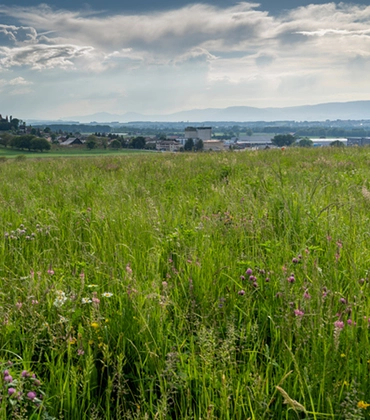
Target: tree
138, 142
189, 145
91, 144
199, 145
337, 143
305, 142
115, 144
5, 139
281, 140
39, 143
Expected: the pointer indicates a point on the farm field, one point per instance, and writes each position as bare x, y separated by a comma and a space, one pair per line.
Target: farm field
66, 152
186, 286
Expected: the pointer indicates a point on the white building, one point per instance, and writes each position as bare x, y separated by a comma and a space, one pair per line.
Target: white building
201, 133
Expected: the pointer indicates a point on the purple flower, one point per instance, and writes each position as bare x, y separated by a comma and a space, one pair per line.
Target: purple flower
342, 300
241, 292
291, 279
350, 322
267, 280
339, 325
249, 272
298, 312
6, 372
25, 374
31, 395
242, 278
252, 278
8, 378
295, 260
306, 295
11, 391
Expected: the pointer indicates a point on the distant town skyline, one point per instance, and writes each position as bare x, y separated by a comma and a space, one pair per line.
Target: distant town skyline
158, 57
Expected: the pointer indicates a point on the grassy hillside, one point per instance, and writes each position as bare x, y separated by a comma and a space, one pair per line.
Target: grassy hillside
187, 286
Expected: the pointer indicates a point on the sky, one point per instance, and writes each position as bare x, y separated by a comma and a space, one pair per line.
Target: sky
69, 58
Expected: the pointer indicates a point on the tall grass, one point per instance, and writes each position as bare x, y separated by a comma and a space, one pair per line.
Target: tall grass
228, 286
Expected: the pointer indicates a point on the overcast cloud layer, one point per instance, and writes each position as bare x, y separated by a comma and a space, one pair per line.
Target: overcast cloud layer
56, 63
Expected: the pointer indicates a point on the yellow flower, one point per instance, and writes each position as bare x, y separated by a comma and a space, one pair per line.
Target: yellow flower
342, 355
94, 325
362, 404
345, 383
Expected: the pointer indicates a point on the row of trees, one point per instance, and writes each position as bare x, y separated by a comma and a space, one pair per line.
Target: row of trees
26, 141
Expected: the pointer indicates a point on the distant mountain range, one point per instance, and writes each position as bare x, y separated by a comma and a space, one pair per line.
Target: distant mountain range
356, 110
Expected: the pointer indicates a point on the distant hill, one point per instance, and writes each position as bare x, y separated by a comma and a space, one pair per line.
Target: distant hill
356, 110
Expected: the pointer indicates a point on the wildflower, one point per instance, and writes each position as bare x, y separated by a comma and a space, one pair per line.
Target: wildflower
94, 325
362, 404
60, 299
50, 272
25, 374
298, 312
107, 294
19, 305
295, 261
128, 269
339, 325
35, 302
6, 372
249, 272
80, 352
92, 285
164, 284
267, 280
306, 295
241, 292
82, 275
342, 300
85, 300
242, 278
291, 278
8, 378
345, 383
11, 391
62, 319
31, 395
342, 355
350, 322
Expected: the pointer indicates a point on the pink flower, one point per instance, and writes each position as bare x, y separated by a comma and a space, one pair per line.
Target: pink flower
11, 391
306, 295
298, 312
339, 325
350, 322
31, 395
241, 292
19, 305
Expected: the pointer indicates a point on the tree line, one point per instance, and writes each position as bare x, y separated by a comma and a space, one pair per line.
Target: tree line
25, 142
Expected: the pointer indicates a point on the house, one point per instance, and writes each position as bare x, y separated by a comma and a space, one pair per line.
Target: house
72, 141
215, 145
168, 145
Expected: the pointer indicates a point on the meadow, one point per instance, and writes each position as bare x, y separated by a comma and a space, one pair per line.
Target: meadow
186, 286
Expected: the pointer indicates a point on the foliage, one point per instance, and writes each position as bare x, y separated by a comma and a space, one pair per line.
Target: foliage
337, 143
91, 142
115, 144
39, 144
199, 145
137, 142
189, 145
281, 140
186, 286
305, 142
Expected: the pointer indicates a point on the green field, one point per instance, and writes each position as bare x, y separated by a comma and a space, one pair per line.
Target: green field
67, 152
186, 286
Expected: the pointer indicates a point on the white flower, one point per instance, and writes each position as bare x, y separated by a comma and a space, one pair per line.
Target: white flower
60, 299
107, 294
86, 300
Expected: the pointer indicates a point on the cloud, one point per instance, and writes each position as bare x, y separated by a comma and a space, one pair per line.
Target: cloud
306, 54
19, 81
42, 56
